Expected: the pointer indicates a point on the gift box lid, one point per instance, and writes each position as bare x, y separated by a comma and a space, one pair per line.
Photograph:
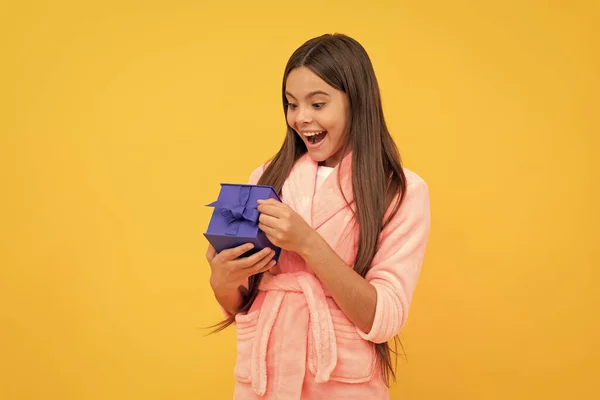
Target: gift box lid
236, 209
226, 192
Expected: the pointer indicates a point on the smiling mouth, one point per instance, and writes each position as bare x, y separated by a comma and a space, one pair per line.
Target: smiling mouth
315, 137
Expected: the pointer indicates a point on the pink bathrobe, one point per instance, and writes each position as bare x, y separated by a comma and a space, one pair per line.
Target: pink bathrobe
295, 342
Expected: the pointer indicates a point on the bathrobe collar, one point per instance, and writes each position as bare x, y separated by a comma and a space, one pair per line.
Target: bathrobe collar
318, 206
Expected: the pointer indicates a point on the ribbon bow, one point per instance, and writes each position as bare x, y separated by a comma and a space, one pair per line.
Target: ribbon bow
235, 214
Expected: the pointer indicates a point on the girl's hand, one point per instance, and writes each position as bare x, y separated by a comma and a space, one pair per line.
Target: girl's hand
229, 271
283, 226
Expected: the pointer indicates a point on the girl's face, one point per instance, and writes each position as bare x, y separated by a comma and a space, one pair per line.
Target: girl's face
318, 113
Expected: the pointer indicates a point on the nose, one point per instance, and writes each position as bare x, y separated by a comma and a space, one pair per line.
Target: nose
303, 116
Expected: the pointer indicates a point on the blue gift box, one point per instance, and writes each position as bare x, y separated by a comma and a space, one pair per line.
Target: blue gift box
235, 218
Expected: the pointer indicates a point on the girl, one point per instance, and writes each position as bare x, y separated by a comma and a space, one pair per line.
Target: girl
352, 226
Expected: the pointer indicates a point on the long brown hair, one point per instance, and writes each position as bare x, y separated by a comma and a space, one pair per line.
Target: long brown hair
377, 175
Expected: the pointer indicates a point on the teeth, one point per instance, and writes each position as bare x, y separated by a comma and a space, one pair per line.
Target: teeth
309, 134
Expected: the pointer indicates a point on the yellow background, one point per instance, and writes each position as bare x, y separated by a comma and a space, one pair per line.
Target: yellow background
118, 121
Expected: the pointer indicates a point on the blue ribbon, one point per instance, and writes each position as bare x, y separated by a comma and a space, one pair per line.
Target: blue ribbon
235, 214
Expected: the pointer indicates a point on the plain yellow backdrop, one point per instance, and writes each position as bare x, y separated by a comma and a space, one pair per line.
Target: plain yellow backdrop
119, 120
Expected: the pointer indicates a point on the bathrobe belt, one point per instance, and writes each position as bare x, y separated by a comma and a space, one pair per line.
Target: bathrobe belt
320, 324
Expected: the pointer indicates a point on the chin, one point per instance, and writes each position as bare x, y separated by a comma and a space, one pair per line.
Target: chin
318, 157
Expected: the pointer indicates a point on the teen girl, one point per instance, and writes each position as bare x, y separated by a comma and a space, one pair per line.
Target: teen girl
353, 226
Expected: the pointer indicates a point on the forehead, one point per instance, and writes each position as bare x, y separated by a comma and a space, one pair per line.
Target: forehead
302, 80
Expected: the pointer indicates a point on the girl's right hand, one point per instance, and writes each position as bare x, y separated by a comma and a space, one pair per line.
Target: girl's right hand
230, 272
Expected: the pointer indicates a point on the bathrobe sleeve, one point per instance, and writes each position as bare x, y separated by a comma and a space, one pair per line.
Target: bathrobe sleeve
397, 263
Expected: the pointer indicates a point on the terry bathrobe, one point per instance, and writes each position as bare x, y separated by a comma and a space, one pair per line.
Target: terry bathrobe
295, 342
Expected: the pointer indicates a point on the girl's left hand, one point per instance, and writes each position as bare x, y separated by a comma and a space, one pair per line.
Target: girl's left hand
283, 226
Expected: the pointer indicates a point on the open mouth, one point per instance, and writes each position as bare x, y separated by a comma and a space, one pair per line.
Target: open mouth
315, 137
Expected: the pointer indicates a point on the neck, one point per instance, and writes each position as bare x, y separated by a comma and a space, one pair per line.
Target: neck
335, 159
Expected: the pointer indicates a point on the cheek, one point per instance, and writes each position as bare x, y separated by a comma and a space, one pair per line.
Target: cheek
334, 125
334, 121
290, 120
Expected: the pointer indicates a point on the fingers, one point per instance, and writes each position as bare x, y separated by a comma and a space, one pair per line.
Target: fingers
268, 220
235, 252
250, 261
267, 229
269, 201
265, 268
263, 265
274, 209
272, 239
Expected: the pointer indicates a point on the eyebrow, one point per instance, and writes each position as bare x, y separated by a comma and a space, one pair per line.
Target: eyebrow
311, 94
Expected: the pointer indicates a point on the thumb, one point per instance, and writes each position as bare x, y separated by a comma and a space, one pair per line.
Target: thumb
210, 253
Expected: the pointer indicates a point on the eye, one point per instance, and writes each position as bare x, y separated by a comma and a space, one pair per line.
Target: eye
292, 106
318, 106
